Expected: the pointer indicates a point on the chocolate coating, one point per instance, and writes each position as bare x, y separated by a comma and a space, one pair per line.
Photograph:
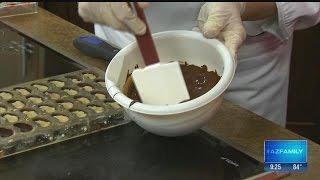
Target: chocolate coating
5, 132
198, 80
23, 127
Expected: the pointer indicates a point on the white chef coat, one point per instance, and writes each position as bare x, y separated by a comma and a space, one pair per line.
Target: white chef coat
262, 75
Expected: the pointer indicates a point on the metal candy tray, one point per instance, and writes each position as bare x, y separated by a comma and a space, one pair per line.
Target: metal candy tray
55, 109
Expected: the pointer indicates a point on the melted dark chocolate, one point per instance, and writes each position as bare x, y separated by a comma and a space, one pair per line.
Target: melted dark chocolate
5, 132
23, 127
198, 80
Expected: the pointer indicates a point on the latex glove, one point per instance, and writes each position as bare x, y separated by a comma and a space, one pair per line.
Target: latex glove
117, 15
222, 20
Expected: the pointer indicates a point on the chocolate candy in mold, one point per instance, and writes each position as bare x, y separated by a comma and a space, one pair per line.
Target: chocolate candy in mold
86, 87
40, 87
74, 127
17, 104
83, 100
88, 75
11, 118
23, 127
53, 95
100, 96
61, 118
74, 79
57, 83
70, 91
79, 113
66, 104
35, 100
4, 132
30, 113
5, 95
101, 82
23, 91
114, 105
3, 109
42, 122
47, 109
96, 108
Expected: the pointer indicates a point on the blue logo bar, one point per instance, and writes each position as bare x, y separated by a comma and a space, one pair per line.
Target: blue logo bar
285, 155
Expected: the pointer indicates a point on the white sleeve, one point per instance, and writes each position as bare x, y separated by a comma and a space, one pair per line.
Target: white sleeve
292, 16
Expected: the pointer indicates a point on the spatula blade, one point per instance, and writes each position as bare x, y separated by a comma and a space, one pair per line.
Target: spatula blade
161, 84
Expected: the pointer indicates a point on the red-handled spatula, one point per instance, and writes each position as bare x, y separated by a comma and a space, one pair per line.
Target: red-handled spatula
157, 83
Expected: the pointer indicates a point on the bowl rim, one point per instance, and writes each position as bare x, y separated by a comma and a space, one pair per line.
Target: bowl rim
215, 92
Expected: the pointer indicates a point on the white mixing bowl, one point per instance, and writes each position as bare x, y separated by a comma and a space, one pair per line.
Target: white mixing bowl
183, 118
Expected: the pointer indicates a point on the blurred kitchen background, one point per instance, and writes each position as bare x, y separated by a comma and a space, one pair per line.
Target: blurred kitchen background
303, 101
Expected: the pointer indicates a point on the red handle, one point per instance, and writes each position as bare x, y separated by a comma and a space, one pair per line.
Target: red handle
145, 42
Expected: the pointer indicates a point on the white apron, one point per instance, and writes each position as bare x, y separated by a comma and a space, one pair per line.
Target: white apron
262, 75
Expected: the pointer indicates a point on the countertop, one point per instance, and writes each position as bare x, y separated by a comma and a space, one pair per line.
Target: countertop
237, 126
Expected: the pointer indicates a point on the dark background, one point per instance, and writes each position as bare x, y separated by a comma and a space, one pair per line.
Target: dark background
303, 107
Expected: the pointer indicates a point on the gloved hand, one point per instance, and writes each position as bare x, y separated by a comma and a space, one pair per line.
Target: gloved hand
117, 15
222, 20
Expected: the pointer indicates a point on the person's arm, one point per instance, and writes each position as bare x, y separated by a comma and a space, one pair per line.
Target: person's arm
296, 16
287, 16
258, 10
223, 20
116, 15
